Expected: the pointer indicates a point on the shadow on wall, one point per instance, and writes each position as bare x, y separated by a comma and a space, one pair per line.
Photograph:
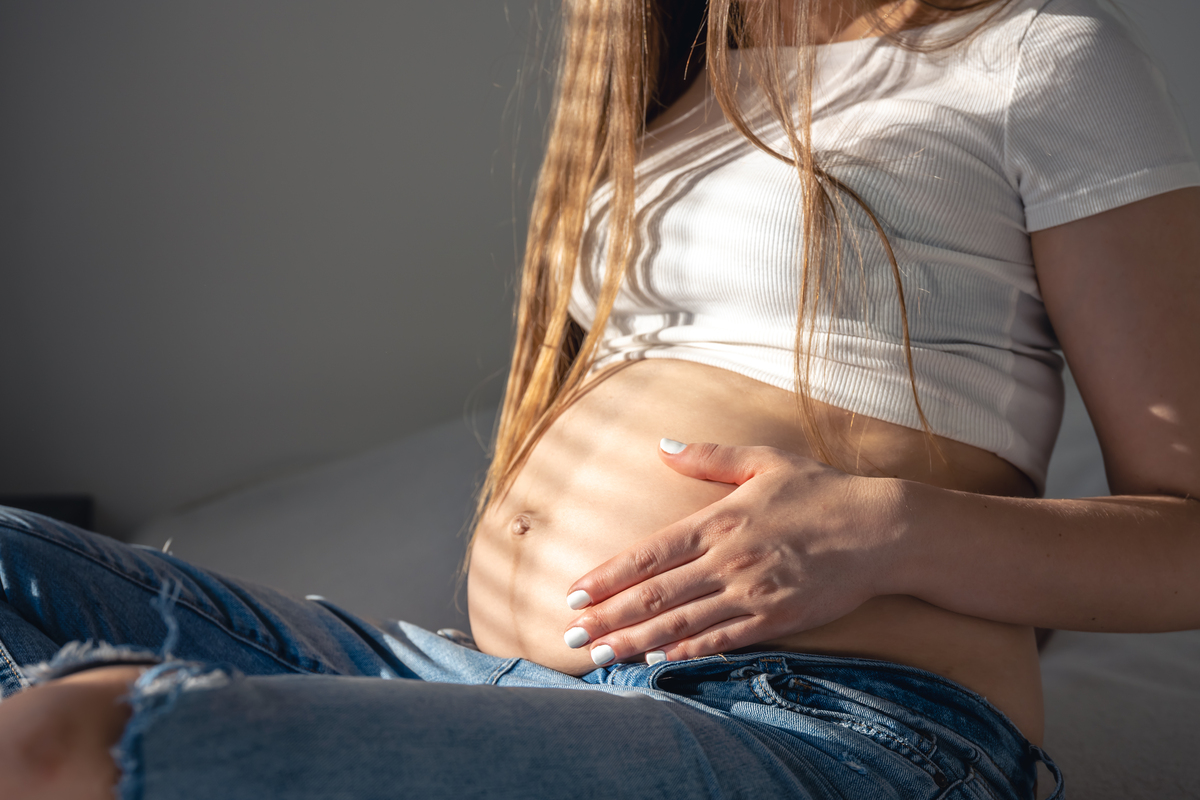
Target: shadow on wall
241, 238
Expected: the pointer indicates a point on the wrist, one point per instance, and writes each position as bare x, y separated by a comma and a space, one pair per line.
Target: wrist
905, 530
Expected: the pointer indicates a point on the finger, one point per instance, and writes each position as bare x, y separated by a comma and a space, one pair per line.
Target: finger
670, 548
642, 602
723, 637
716, 462
678, 624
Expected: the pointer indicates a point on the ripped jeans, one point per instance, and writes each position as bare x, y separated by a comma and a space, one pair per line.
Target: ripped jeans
257, 696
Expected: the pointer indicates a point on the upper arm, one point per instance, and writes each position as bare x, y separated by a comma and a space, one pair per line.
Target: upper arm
1122, 289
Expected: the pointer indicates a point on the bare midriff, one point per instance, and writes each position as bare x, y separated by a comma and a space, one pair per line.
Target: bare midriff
594, 485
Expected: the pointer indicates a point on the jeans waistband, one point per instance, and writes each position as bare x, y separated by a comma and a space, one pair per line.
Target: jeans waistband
924, 711
928, 716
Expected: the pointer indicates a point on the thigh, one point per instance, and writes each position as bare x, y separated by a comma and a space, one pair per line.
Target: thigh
318, 738
60, 584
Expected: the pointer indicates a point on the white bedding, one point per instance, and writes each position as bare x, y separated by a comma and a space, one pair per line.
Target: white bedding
380, 534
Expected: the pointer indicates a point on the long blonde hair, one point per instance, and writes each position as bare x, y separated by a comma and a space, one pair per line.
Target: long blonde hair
620, 63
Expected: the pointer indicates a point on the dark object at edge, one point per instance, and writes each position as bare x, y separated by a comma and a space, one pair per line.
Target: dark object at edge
74, 509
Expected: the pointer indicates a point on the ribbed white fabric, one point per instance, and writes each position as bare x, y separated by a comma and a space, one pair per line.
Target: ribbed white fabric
1051, 114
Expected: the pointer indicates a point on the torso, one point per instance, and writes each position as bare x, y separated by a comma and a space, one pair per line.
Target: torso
594, 485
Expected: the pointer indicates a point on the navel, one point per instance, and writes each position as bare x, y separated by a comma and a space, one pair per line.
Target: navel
520, 525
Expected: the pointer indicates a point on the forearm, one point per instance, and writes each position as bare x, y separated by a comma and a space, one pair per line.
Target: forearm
1105, 564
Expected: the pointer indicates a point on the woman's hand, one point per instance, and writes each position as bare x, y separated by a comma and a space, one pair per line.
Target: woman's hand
797, 545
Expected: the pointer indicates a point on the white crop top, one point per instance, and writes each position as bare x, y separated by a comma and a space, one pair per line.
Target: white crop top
1051, 114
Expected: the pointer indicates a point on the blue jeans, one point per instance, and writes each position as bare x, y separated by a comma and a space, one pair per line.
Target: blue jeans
257, 695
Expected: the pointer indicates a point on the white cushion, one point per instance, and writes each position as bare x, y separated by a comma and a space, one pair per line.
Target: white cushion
1122, 711
380, 534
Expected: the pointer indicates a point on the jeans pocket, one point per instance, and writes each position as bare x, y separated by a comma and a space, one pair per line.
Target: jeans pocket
809, 697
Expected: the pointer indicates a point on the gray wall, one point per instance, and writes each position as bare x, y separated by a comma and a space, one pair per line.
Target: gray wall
1171, 28
239, 237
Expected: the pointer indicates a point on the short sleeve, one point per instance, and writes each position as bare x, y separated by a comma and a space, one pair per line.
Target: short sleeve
1090, 125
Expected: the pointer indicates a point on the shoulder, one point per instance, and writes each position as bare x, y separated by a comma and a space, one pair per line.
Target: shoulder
1090, 122
1086, 52
1066, 30
1036, 39
1061, 28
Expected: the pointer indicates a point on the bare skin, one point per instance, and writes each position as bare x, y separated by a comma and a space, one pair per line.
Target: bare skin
55, 738
595, 486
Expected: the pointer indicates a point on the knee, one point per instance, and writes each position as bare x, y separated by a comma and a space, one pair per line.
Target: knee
34, 747
55, 739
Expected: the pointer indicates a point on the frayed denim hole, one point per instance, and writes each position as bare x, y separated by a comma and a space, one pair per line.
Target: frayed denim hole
164, 604
75, 657
153, 695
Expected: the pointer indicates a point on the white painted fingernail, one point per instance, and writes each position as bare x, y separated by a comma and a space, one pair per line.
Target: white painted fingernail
671, 446
576, 638
602, 655
656, 657
579, 599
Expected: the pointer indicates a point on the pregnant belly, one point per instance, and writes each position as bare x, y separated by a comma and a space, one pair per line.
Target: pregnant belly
594, 485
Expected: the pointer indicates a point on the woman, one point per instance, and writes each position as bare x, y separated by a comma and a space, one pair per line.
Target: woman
818, 542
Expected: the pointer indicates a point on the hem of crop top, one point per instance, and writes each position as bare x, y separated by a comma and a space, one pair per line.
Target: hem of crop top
894, 408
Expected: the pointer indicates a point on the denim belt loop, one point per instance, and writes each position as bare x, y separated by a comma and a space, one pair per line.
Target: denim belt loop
1040, 755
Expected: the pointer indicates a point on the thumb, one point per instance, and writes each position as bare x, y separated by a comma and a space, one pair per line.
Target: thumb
712, 462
